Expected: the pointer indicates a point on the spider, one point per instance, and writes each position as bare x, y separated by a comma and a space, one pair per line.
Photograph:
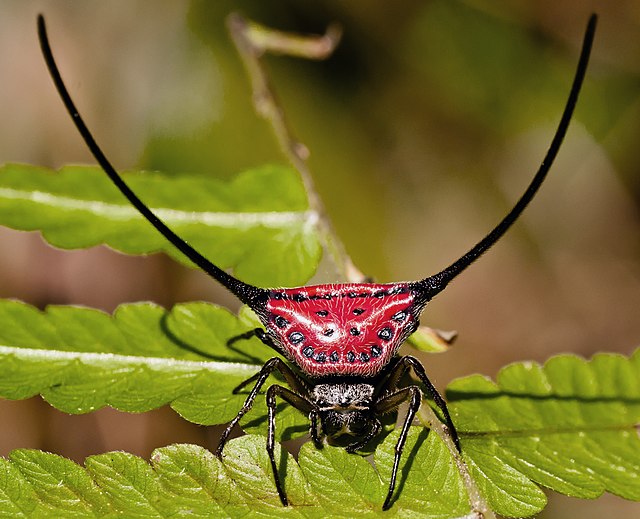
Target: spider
340, 341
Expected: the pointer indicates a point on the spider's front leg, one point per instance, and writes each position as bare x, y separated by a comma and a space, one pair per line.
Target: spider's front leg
388, 404
373, 432
297, 401
261, 334
392, 397
296, 397
393, 379
315, 429
273, 364
254, 332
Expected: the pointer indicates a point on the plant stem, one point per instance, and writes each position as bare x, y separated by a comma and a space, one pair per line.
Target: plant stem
479, 507
252, 42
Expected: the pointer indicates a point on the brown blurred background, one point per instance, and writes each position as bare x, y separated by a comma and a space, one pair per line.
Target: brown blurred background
423, 129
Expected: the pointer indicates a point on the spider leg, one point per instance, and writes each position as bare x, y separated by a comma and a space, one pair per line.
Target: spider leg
375, 430
274, 364
256, 332
297, 401
393, 379
314, 428
387, 404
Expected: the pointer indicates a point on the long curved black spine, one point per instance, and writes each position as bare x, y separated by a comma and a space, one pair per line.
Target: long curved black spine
432, 285
251, 295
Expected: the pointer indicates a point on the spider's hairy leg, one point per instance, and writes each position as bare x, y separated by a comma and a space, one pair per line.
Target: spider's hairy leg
297, 401
274, 364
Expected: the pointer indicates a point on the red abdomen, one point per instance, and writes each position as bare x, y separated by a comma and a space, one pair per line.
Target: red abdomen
349, 329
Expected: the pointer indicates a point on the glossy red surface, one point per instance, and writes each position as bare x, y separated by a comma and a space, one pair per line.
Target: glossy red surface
345, 329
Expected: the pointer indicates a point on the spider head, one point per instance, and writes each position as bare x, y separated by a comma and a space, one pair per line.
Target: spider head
345, 411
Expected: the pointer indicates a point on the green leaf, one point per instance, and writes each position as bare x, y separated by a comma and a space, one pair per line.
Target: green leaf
428, 482
193, 479
17, 497
189, 480
61, 486
248, 466
129, 483
569, 425
348, 485
141, 358
269, 241
80, 360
